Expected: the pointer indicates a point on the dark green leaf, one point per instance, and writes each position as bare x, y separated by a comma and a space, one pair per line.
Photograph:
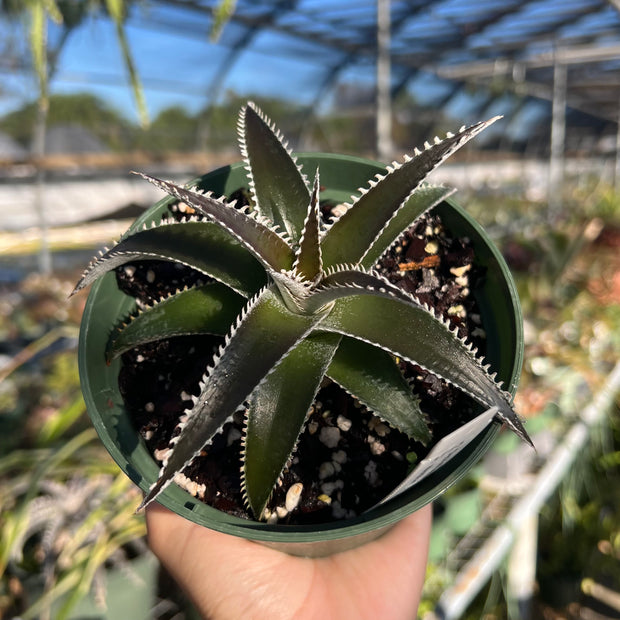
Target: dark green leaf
278, 410
423, 199
308, 257
203, 246
345, 282
347, 241
208, 309
411, 332
266, 333
371, 375
280, 190
266, 245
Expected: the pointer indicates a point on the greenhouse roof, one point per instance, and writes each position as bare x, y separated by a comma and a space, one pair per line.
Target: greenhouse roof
458, 59
440, 48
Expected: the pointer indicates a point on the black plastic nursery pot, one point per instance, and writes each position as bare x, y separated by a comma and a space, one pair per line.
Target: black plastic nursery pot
341, 176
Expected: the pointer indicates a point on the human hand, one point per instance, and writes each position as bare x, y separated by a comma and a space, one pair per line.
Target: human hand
229, 578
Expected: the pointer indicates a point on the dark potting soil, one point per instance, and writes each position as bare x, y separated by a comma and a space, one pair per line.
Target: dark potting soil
347, 459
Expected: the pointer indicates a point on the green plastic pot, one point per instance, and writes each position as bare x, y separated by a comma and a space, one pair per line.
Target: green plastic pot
107, 306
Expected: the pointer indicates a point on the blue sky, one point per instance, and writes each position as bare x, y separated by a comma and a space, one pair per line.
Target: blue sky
177, 63
175, 68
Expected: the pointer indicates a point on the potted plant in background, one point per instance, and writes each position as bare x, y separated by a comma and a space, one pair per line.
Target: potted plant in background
283, 305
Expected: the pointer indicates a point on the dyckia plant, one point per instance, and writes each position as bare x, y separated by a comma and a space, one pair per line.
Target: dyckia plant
297, 300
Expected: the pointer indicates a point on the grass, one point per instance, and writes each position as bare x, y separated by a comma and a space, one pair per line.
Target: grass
67, 513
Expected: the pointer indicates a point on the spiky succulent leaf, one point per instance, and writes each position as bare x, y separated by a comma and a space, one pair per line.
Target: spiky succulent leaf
266, 331
203, 246
423, 199
350, 237
308, 263
293, 289
208, 309
280, 190
414, 334
345, 281
269, 248
370, 374
277, 414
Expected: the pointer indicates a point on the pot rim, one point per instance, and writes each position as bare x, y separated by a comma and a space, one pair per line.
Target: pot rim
110, 419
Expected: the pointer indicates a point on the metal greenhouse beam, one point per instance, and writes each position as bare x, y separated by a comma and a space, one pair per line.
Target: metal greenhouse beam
558, 138
617, 166
477, 572
384, 146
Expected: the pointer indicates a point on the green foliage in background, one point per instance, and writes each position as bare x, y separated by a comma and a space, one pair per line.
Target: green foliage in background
66, 511
586, 512
85, 110
175, 129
